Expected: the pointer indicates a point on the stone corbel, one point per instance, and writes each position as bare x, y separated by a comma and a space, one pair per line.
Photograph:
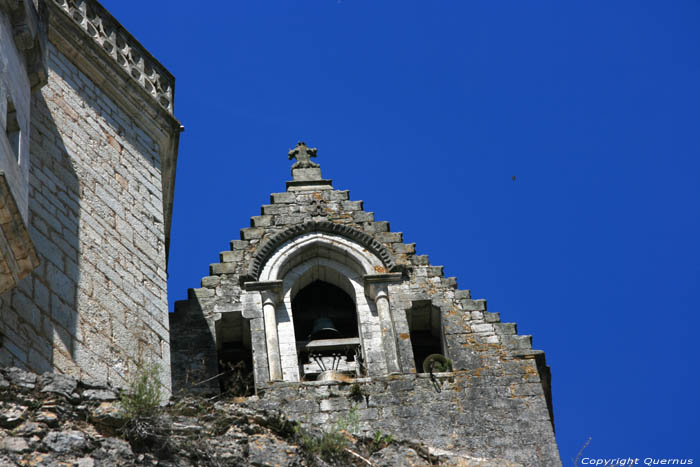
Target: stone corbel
271, 294
377, 288
24, 22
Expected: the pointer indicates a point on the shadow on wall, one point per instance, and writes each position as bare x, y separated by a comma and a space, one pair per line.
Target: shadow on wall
39, 320
194, 358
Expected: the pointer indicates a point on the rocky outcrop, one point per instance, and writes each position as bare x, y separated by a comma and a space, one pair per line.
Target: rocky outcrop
52, 419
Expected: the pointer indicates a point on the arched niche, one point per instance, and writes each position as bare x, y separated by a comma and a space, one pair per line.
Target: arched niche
344, 263
351, 282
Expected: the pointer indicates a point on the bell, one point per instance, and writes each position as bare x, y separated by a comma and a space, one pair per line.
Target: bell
323, 329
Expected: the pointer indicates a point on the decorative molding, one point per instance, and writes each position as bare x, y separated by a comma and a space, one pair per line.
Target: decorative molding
124, 49
265, 251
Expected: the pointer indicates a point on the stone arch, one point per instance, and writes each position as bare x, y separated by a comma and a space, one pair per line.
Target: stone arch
319, 245
268, 248
358, 268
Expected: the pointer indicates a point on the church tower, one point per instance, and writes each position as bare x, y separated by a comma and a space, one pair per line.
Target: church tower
324, 311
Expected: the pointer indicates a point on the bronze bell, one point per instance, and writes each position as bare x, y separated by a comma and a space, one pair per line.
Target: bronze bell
323, 329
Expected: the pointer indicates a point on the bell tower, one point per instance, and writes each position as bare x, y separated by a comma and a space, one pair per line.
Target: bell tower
318, 294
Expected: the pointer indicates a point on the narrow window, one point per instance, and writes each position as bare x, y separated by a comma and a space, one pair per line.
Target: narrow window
12, 131
235, 355
425, 326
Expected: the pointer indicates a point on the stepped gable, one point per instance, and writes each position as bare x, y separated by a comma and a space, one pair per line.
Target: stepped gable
405, 308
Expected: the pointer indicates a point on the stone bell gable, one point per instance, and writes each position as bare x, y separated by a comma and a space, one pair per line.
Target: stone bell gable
317, 298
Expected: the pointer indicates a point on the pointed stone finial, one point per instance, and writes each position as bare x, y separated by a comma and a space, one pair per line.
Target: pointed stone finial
303, 154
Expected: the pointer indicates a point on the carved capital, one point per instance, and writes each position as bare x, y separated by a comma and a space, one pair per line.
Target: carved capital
377, 285
270, 291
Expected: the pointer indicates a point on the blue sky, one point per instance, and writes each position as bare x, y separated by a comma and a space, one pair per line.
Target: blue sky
426, 110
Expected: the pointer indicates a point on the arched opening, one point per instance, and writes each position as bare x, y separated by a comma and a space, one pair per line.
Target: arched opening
342, 263
326, 330
323, 300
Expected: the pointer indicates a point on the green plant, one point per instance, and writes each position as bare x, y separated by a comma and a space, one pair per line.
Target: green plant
142, 398
140, 403
332, 444
380, 441
349, 422
356, 394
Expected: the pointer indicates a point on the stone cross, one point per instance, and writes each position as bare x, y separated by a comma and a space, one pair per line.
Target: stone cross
303, 155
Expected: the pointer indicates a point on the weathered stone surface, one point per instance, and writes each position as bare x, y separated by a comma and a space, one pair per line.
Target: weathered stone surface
20, 378
66, 441
193, 432
12, 414
15, 444
100, 395
28, 429
47, 417
397, 456
58, 384
98, 187
113, 452
493, 387
108, 414
264, 450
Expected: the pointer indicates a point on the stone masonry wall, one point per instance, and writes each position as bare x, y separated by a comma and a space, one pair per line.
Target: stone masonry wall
496, 404
98, 302
57, 420
500, 414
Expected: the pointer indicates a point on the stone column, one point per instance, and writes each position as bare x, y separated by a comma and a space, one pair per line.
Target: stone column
270, 299
377, 287
270, 294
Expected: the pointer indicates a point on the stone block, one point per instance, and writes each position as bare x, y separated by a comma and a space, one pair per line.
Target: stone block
474, 305
351, 205
362, 216
492, 317
404, 248
435, 271
506, 328
334, 404
239, 244
339, 195
389, 237
274, 209
482, 327
261, 221
231, 256
211, 281
282, 198
222, 268
306, 174
420, 260
450, 282
201, 293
